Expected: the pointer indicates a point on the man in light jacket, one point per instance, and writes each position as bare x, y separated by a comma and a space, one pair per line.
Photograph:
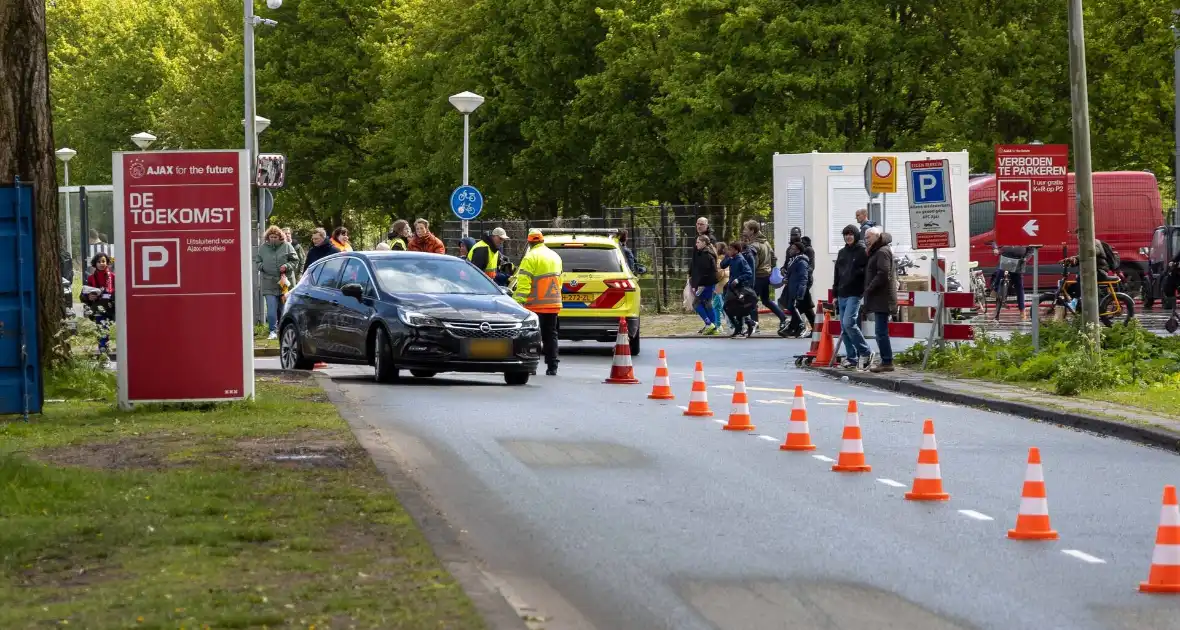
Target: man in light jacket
881, 292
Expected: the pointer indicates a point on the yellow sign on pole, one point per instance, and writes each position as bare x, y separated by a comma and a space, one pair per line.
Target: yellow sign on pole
883, 175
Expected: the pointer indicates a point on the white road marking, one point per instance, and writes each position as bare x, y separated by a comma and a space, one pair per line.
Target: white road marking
773, 402
832, 404
824, 458
820, 396
719, 421
1083, 556
890, 482
979, 516
876, 404
682, 407
768, 437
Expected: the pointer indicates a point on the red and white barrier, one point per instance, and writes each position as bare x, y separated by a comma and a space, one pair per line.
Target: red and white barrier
919, 330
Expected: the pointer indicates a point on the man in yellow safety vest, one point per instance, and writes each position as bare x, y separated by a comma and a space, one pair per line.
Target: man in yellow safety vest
485, 254
538, 288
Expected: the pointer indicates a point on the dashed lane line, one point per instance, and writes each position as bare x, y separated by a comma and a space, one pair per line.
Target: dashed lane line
824, 458
890, 482
768, 437
979, 516
1083, 556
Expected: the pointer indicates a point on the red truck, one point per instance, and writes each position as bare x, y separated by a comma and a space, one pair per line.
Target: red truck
1127, 210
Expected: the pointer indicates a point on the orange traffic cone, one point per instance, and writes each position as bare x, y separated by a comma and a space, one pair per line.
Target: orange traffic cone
852, 452
798, 433
1032, 522
621, 372
826, 352
698, 402
1165, 561
662, 389
928, 481
739, 413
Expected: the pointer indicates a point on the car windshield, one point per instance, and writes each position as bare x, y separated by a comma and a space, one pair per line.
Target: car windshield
432, 276
588, 259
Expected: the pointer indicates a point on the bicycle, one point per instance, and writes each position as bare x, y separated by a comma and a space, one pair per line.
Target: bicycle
1008, 266
1114, 304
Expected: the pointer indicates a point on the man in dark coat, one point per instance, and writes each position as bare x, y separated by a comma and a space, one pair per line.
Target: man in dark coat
848, 285
881, 292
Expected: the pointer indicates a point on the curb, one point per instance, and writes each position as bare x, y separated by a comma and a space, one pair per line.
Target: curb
492, 605
1104, 426
265, 352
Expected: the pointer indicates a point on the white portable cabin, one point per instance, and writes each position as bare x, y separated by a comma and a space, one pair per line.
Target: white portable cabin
820, 193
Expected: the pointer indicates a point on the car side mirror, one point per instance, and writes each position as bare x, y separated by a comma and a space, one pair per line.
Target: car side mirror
353, 290
506, 291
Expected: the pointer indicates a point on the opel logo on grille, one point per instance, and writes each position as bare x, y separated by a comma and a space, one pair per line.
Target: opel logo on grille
485, 327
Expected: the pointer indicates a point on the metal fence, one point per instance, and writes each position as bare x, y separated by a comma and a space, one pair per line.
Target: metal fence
662, 238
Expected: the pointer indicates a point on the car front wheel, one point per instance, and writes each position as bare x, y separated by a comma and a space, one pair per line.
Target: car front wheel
290, 355
383, 368
516, 378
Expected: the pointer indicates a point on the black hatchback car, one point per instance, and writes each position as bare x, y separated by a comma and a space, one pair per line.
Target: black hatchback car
426, 313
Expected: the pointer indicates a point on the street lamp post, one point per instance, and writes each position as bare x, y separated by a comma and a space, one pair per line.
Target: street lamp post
466, 102
65, 154
143, 140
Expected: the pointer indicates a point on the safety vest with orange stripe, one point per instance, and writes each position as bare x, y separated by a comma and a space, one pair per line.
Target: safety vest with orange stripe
538, 280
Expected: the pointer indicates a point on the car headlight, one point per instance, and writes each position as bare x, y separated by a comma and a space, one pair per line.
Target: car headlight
531, 321
417, 320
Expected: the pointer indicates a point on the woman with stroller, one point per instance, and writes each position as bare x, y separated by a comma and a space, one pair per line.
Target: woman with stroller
797, 272
740, 298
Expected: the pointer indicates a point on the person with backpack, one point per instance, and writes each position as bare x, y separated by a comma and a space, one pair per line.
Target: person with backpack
764, 262
797, 274
1016, 278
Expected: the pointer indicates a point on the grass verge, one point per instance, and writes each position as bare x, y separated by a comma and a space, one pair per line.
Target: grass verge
248, 515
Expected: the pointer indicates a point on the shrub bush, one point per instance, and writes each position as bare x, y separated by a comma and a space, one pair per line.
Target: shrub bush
1129, 355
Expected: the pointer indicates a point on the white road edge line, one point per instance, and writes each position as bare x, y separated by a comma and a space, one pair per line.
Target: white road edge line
719, 421
823, 458
682, 407
890, 482
1083, 556
979, 516
768, 437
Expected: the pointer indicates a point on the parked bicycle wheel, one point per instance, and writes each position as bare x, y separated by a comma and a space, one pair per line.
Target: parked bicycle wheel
1107, 305
1001, 296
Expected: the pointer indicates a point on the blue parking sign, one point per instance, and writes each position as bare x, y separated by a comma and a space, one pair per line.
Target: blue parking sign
928, 185
466, 202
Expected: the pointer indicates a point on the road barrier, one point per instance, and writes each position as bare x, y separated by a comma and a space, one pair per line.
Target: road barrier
852, 450
928, 479
798, 431
1032, 521
621, 370
661, 389
698, 401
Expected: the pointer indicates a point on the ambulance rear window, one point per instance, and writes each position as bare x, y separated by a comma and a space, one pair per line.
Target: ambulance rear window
589, 259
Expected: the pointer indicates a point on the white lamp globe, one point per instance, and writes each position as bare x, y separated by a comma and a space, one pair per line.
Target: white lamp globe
466, 102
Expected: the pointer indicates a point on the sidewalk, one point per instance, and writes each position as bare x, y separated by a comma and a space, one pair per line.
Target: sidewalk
1092, 415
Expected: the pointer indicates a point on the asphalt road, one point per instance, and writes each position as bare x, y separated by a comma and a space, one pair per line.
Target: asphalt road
594, 507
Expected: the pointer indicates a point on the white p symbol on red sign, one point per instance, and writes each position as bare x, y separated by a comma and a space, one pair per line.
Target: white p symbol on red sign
155, 263
153, 256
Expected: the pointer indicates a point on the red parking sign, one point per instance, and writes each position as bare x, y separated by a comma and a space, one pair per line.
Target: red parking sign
182, 227
1032, 195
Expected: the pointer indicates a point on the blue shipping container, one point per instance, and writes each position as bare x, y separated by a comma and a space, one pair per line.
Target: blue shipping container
20, 361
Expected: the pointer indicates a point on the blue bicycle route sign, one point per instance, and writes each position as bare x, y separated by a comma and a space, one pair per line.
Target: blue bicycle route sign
466, 202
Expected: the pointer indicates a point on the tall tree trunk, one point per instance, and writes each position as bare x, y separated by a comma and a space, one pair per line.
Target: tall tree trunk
26, 151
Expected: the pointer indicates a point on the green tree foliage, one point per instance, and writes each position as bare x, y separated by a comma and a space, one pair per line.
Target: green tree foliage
601, 102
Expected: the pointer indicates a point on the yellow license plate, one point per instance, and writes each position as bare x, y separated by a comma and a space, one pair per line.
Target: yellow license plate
578, 297
489, 348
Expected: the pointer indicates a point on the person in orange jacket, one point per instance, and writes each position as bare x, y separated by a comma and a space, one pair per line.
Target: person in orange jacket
424, 241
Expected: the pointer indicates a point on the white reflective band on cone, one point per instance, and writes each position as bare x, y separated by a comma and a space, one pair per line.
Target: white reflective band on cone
1166, 555
798, 427
928, 443
852, 446
1034, 507
799, 404
929, 471
1170, 516
1035, 473
698, 396
852, 420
